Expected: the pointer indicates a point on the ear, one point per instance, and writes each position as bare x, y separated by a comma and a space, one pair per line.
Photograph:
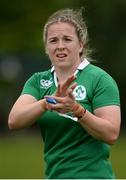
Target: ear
81, 47
80, 50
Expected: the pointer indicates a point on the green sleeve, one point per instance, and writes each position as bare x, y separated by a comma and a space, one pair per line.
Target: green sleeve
32, 86
106, 92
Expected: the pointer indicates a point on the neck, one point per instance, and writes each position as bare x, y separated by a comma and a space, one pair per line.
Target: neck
63, 74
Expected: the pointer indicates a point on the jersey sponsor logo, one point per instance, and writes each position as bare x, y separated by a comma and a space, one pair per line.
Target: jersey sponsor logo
46, 83
79, 92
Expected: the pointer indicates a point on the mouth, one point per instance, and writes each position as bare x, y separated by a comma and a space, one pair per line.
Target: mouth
61, 56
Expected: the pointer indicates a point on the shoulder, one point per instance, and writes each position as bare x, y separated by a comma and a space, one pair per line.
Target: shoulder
98, 73
37, 81
98, 77
104, 88
95, 70
46, 73
37, 76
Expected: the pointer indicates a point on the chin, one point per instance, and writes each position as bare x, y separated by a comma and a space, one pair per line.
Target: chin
64, 65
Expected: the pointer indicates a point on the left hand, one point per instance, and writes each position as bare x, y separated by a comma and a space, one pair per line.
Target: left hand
64, 104
64, 96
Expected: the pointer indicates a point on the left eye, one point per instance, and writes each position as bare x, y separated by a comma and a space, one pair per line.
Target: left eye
68, 39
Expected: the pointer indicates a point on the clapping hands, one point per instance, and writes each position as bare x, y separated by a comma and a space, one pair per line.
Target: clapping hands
63, 99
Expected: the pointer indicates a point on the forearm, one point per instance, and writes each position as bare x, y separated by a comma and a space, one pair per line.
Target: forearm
26, 115
100, 128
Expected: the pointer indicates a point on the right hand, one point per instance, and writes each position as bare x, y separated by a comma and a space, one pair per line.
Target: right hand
64, 96
66, 86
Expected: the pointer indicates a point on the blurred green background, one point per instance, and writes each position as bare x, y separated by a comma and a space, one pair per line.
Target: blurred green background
22, 54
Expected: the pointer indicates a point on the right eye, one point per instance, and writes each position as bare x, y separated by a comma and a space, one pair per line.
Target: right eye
53, 40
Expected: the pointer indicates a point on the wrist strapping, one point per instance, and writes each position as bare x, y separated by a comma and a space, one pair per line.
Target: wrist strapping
78, 111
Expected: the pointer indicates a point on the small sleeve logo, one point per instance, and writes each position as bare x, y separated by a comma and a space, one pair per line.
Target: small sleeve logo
46, 83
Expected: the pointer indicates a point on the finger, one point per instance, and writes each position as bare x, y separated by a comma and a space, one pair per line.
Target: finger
48, 106
58, 91
73, 86
69, 80
56, 107
67, 83
52, 107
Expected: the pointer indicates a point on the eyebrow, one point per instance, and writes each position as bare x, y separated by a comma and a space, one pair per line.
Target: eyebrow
66, 36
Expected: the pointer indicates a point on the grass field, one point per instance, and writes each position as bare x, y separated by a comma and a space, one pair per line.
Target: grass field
21, 157
118, 157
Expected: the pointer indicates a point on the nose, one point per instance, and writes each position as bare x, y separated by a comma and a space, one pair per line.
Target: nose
60, 45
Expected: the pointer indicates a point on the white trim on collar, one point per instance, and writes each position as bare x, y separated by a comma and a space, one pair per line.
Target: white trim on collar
52, 69
84, 63
81, 66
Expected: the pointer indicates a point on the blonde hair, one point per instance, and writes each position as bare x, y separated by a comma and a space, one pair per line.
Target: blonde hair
73, 17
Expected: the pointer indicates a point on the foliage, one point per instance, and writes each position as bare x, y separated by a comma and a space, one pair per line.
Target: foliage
21, 23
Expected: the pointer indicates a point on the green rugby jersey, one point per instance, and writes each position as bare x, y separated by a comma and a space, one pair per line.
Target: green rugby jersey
69, 151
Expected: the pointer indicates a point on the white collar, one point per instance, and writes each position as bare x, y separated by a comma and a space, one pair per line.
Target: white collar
81, 66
